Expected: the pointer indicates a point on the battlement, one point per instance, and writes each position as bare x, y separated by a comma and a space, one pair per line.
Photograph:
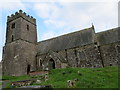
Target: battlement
23, 15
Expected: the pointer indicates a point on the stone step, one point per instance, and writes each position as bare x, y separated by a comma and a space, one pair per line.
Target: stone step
37, 86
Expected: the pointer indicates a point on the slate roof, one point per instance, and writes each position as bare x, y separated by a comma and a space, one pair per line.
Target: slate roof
74, 39
109, 36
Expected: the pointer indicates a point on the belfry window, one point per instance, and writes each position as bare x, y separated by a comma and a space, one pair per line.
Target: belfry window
27, 27
13, 25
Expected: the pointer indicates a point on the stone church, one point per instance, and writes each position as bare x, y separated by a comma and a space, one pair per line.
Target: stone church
84, 48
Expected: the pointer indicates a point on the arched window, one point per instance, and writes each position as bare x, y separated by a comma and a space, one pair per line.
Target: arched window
40, 62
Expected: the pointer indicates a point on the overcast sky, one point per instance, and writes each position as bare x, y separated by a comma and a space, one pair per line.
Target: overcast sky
58, 17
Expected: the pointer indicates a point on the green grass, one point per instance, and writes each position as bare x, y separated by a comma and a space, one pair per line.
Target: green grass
15, 78
88, 78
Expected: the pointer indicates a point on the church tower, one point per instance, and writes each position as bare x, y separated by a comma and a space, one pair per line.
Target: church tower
20, 48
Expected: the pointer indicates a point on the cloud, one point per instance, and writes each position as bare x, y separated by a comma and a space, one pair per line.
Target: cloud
11, 5
0, 54
1, 40
37, 1
104, 15
78, 15
48, 34
43, 10
55, 23
46, 10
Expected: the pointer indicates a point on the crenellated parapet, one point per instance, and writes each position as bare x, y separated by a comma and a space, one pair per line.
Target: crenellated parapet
23, 15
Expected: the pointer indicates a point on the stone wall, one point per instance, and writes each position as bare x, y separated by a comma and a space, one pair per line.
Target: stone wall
20, 31
109, 54
17, 56
89, 56
19, 53
101, 50
108, 42
23, 15
86, 56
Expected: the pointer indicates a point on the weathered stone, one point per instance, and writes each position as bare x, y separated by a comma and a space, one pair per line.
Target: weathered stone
20, 47
85, 48
21, 83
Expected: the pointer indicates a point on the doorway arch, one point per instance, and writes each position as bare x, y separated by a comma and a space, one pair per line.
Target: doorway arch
28, 69
51, 64
40, 62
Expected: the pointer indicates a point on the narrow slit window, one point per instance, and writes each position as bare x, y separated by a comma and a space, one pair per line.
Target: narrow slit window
13, 25
27, 27
12, 38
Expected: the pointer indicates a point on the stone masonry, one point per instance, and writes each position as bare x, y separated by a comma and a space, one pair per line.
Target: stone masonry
85, 48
